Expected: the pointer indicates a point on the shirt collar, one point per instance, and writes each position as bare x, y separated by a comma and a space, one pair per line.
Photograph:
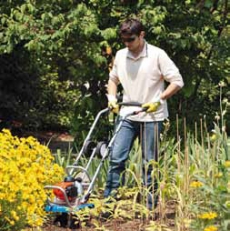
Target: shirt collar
144, 52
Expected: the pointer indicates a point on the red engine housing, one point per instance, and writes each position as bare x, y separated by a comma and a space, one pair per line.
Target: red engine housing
70, 190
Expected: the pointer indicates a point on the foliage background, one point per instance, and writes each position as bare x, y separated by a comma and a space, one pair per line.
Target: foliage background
55, 58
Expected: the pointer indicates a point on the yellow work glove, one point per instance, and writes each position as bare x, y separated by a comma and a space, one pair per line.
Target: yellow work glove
114, 107
112, 104
151, 107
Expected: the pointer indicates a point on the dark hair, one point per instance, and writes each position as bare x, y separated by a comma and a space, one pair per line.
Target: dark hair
131, 26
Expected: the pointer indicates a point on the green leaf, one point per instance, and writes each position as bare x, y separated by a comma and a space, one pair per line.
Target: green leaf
109, 33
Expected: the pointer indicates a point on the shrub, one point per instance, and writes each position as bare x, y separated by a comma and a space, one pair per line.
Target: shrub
25, 167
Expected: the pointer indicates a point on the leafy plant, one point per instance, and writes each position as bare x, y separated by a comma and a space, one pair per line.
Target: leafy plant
25, 167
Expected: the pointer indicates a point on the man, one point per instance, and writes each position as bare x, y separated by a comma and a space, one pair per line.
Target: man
141, 69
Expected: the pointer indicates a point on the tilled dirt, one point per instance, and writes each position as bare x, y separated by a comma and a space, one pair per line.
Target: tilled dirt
139, 224
114, 225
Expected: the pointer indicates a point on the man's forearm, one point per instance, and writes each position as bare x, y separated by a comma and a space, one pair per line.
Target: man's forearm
170, 91
112, 88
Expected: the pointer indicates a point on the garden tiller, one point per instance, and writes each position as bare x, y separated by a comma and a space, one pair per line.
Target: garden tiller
74, 192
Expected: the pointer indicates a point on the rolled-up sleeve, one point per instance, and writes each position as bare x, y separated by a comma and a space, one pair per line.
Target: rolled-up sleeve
169, 70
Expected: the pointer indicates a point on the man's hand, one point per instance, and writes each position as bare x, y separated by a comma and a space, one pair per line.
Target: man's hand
151, 106
113, 106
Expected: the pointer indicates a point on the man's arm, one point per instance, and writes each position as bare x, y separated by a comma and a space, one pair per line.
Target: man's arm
171, 74
112, 88
170, 91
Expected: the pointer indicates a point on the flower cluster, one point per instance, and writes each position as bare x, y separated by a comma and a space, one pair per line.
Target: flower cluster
25, 167
211, 228
208, 216
196, 184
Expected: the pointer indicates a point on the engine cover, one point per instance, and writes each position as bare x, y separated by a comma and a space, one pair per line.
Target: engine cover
70, 189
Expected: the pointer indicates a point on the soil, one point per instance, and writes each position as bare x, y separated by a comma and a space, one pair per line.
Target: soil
163, 218
114, 225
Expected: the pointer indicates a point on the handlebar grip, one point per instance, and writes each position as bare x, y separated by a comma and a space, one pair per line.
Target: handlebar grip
145, 108
136, 104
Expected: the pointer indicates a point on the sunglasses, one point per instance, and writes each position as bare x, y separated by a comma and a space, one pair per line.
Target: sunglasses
130, 39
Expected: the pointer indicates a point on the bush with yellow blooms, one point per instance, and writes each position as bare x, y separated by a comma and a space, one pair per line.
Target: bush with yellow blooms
25, 167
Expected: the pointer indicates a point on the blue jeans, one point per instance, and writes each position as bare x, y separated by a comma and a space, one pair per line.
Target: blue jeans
148, 134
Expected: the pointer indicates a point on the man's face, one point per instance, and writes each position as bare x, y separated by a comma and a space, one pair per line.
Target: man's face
132, 42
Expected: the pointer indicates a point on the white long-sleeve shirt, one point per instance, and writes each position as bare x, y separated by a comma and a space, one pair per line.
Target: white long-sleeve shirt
143, 77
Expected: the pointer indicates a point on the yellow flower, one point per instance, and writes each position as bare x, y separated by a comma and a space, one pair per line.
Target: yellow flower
196, 184
211, 228
14, 215
227, 164
213, 137
25, 167
208, 216
12, 222
219, 175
